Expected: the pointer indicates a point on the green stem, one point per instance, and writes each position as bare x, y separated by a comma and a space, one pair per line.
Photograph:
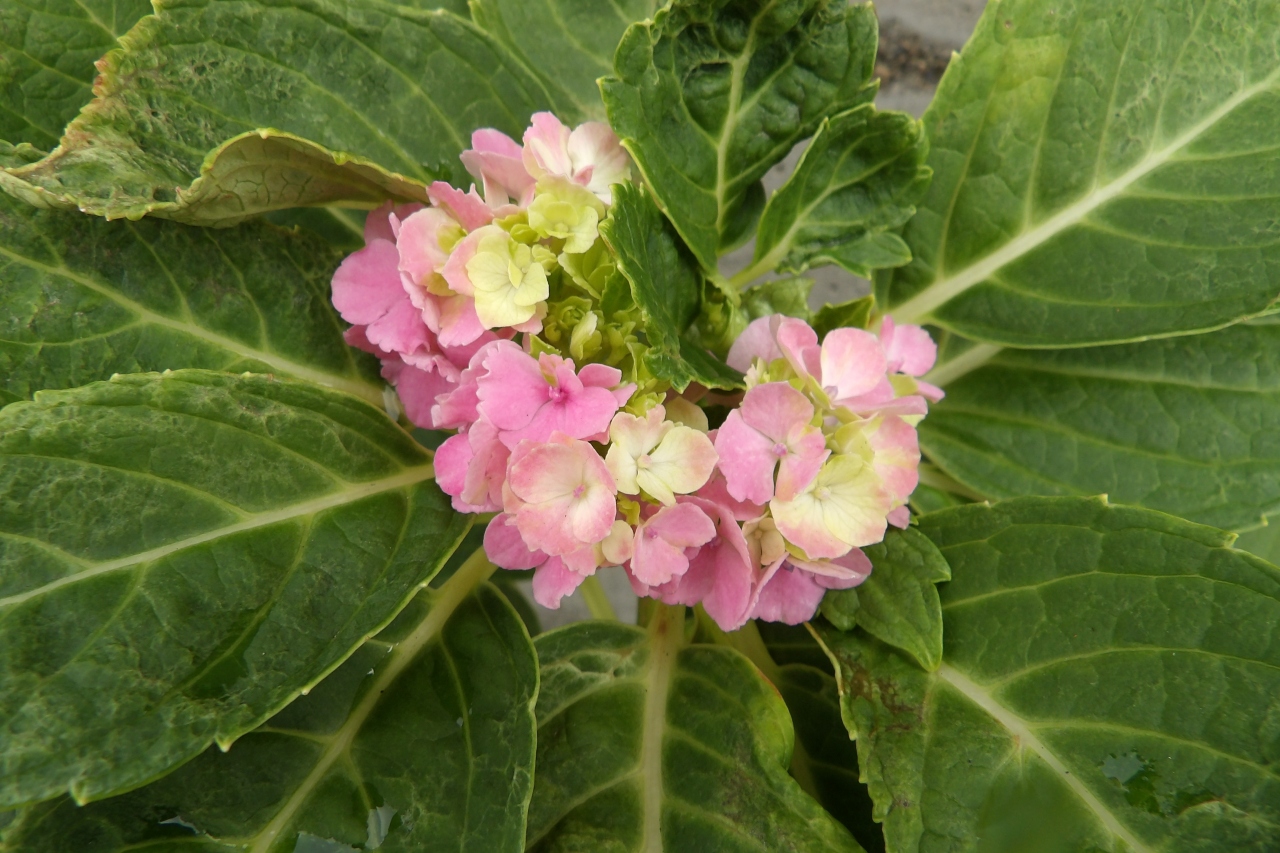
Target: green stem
751, 273
597, 602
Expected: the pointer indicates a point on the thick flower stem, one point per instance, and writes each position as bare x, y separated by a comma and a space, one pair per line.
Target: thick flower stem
597, 602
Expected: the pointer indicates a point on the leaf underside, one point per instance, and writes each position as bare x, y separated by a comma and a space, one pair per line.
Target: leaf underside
180, 555
1111, 682
1103, 172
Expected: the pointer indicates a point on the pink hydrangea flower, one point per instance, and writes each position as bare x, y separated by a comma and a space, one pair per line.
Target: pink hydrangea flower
528, 398
552, 580
497, 162
471, 467
722, 576
843, 507
561, 495
793, 589
662, 542
771, 430
590, 155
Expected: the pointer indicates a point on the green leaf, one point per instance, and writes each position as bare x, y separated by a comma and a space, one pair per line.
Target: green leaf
1099, 175
826, 759
422, 741
1263, 541
855, 313
569, 44
353, 101
712, 93
898, 604
667, 288
181, 555
788, 296
1111, 682
857, 182
1185, 425
85, 299
47, 52
647, 744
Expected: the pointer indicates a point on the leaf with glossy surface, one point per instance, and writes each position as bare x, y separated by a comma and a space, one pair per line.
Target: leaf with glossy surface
364, 101
85, 299
182, 555
711, 94
855, 313
667, 288
47, 53
569, 44
1111, 682
898, 603
422, 741
1102, 173
856, 184
646, 744
1188, 426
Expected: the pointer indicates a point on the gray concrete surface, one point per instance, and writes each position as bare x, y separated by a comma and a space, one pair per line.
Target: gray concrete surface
917, 37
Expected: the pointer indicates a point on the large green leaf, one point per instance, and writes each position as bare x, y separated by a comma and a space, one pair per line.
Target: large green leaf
218, 109
84, 299
899, 602
1111, 683
1188, 426
569, 44
647, 744
47, 52
422, 741
181, 555
712, 93
856, 184
666, 286
1103, 172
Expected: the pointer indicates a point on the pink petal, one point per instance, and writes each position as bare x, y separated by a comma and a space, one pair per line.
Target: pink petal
419, 244
727, 560
661, 542
852, 362
495, 160
799, 344
377, 225
451, 462
932, 392
806, 451
487, 470
418, 390
367, 283
775, 409
582, 414
552, 582
716, 491
505, 548
900, 517
459, 324
910, 350
468, 208
791, 596
455, 269
756, 341
747, 460
600, 375
512, 388
546, 147
897, 456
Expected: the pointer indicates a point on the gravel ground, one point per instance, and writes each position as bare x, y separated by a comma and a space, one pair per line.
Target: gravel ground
916, 41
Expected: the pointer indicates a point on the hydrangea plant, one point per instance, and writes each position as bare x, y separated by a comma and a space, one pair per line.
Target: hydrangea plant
329, 323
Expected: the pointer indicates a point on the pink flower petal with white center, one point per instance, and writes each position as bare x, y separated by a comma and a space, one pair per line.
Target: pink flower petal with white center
568, 498
910, 350
844, 507
900, 517
756, 341
466, 207
505, 548
552, 581
546, 147
598, 159
661, 541
790, 595
418, 390
852, 362
897, 455
770, 429
419, 244
511, 388
799, 345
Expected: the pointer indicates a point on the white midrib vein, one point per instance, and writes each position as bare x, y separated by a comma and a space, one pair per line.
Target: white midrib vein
364, 390
446, 600
1027, 739
920, 306
666, 633
263, 519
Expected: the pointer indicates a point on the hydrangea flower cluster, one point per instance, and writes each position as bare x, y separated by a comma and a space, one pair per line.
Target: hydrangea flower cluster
488, 311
